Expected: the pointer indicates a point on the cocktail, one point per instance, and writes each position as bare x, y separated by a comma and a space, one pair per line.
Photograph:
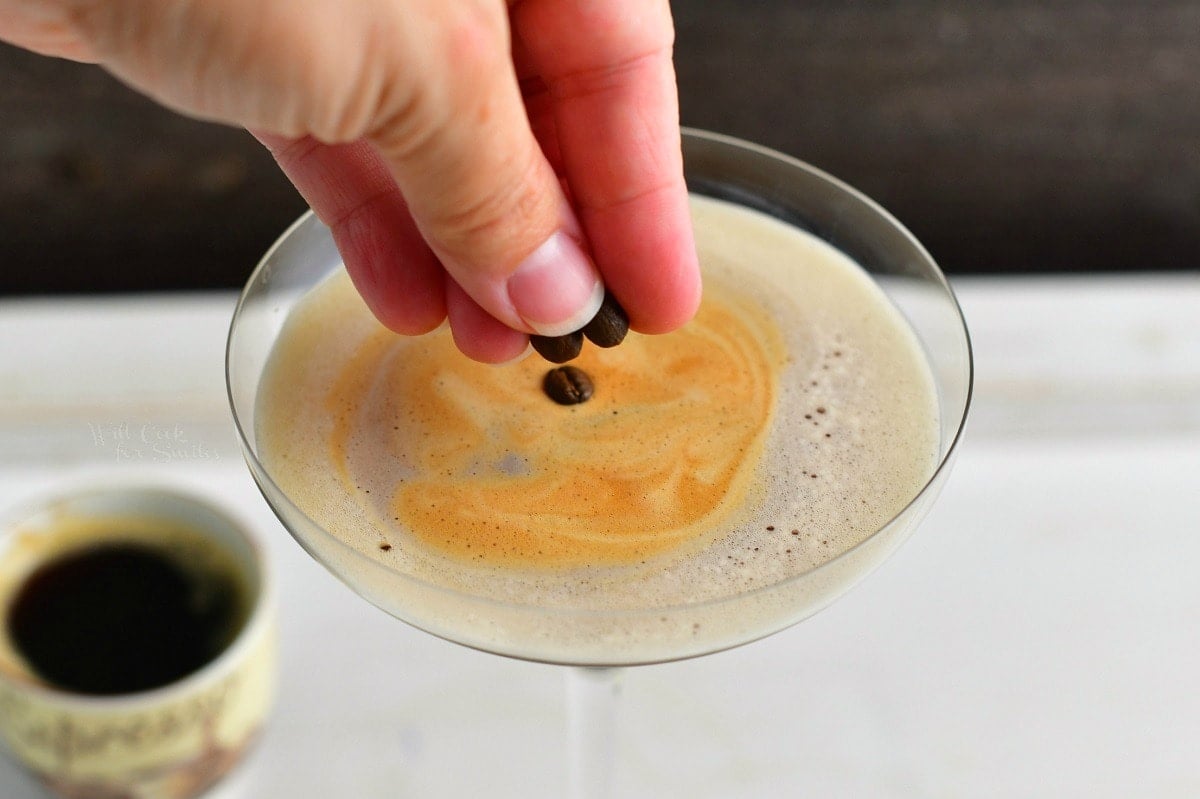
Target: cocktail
723, 483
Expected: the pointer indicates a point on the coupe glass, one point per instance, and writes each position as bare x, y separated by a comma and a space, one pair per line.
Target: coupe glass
579, 636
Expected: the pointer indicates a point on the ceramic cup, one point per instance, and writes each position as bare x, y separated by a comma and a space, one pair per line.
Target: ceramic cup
168, 742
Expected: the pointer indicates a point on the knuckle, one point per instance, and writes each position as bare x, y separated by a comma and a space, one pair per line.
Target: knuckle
500, 224
453, 74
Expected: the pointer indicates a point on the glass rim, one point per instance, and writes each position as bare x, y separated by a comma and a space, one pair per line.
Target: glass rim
945, 457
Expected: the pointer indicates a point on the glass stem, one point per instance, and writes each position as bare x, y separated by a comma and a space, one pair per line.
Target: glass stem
591, 730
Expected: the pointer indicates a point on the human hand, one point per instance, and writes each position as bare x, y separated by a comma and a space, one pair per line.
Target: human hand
487, 162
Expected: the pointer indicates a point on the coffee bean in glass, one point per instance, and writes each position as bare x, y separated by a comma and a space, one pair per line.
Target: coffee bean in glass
558, 349
610, 324
568, 385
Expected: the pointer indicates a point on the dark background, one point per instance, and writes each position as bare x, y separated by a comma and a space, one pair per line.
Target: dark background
1009, 136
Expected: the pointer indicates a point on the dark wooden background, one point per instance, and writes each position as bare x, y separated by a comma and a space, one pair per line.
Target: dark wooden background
1009, 136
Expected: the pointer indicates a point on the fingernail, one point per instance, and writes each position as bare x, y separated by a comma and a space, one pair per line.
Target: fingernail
556, 290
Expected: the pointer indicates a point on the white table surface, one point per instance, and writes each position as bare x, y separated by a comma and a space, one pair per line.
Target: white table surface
1038, 637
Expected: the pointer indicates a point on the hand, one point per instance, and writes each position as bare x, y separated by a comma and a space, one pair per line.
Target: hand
492, 163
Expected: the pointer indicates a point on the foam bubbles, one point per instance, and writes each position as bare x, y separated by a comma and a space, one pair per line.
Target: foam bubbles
852, 438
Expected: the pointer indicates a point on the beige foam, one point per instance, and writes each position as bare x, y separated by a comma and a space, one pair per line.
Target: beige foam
800, 416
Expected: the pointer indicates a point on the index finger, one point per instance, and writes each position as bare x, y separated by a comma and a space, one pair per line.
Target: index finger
607, 66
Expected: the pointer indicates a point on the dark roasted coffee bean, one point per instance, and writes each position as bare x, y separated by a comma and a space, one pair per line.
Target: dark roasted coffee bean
568, 385
558, 349
610, 324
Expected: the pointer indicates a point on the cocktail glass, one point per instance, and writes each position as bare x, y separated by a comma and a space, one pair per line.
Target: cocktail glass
595, 642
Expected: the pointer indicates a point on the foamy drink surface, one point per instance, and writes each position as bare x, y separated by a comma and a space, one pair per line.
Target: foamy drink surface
790, 420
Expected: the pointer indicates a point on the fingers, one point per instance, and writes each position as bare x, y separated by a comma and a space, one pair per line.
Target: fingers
351, 190
430, 85
478, 334
426, 135
539, 108
478, 185
607, 68
396, 273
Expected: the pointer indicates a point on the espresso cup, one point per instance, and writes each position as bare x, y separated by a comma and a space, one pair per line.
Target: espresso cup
96, 711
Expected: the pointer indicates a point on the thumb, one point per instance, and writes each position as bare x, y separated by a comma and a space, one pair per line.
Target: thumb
430, 84
478, 185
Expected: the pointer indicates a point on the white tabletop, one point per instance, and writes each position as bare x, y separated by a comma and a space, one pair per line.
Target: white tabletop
1038, 637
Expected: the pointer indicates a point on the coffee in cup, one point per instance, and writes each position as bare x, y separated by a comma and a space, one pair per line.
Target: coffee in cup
137, 643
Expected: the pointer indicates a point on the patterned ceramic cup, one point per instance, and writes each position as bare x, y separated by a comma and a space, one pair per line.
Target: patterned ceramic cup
168, 742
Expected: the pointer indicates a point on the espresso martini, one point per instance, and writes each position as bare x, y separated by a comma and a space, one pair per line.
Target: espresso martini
789, 421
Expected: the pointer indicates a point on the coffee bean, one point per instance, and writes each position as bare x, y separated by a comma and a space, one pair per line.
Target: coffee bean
610, 324
558, 349
568, 385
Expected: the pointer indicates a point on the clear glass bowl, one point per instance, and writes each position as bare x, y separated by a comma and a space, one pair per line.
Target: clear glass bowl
716, 166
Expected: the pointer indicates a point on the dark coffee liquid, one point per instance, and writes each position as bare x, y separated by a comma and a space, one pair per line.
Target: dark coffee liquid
122, 617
